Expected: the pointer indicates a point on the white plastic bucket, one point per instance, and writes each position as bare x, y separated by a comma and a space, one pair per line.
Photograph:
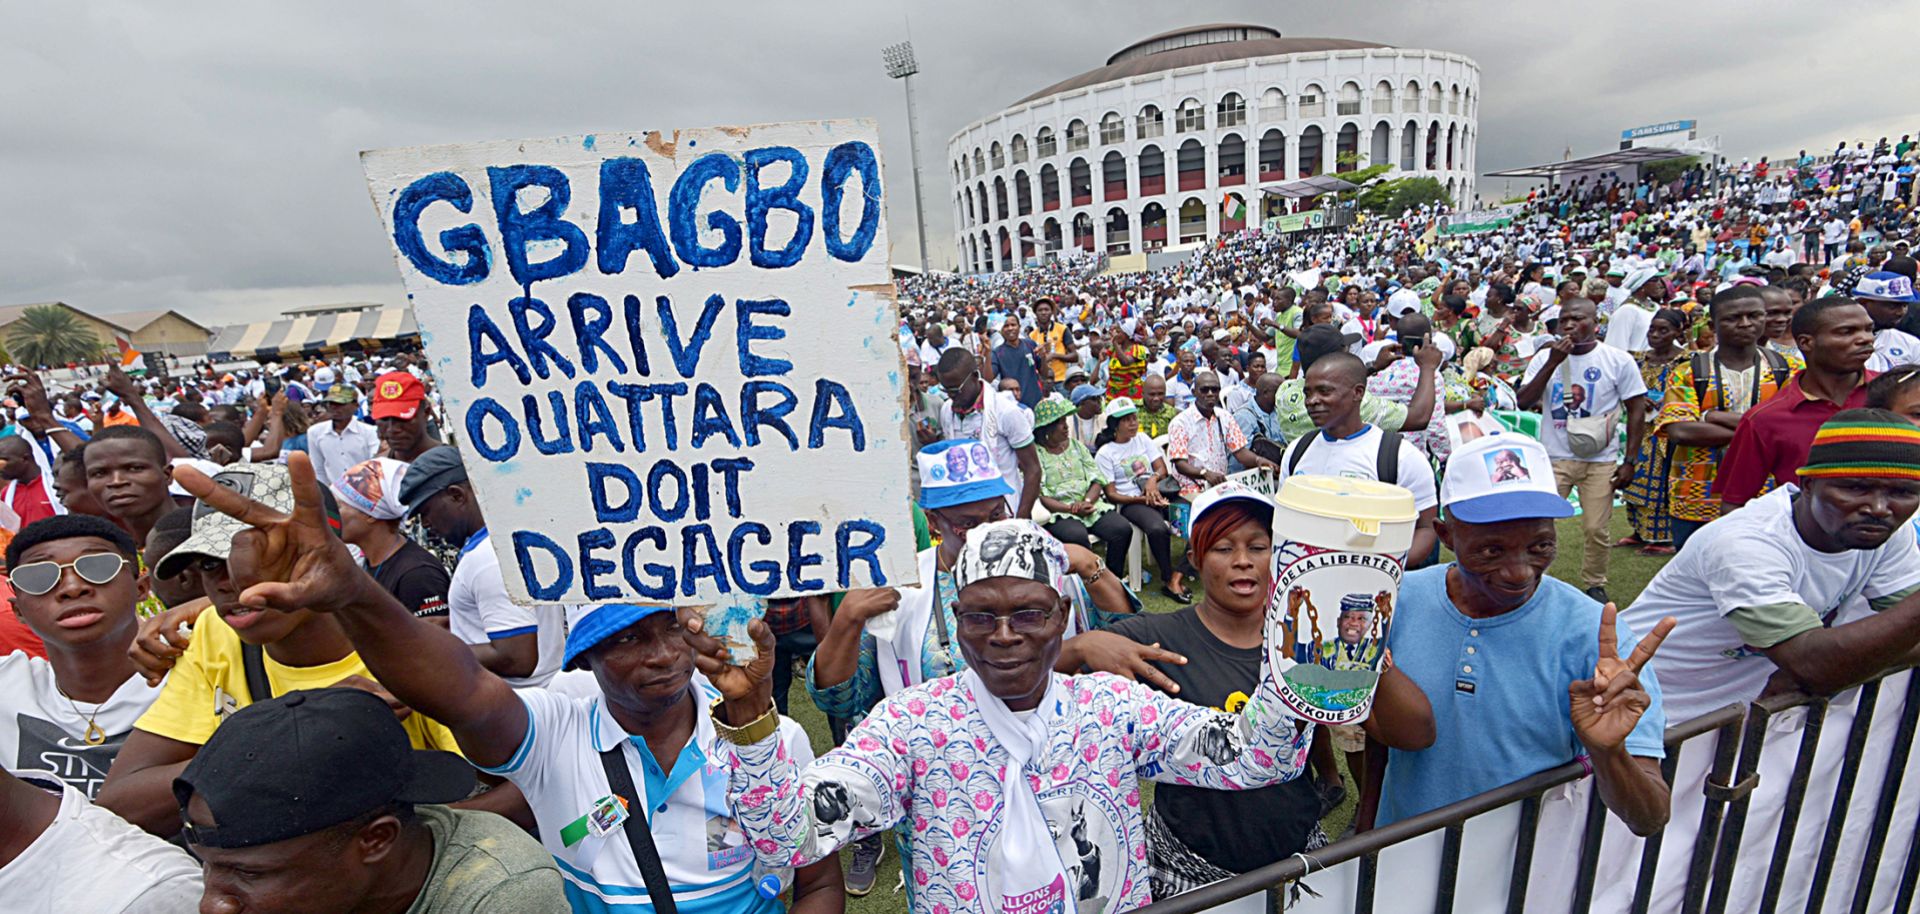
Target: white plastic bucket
1341, 549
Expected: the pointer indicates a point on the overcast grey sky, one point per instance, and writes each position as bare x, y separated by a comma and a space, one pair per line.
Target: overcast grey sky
203, 156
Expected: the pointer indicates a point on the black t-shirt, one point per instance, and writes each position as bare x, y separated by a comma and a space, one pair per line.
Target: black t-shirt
416, 578
1238, 830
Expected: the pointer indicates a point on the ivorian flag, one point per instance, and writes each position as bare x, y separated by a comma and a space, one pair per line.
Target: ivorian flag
131, 361
1234, 207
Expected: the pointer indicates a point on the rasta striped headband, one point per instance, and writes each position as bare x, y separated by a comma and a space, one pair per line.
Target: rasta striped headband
1865, 443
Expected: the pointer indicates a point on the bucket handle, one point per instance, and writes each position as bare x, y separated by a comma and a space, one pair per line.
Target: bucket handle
1369, 526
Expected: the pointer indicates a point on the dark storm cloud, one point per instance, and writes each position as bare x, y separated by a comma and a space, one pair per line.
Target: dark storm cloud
203, 156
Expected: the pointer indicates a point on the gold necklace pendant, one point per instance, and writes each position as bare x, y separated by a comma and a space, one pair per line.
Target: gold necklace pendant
95, 736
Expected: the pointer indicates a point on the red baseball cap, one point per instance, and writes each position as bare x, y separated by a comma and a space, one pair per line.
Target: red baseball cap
397, 395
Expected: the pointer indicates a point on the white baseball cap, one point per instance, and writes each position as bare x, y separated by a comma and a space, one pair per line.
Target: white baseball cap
1403, 302
1500, 477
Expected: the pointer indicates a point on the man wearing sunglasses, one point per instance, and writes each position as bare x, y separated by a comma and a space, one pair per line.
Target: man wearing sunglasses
75, 584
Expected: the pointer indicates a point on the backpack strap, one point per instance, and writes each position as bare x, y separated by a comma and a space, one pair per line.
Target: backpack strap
1698, 361
1300, 450
1776, 364
1386, 465
253, 661
639, 835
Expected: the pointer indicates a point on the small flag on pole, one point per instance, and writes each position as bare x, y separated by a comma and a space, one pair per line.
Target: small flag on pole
131, 361
1234, 207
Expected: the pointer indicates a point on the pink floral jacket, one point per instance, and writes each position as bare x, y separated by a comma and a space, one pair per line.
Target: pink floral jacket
925, 757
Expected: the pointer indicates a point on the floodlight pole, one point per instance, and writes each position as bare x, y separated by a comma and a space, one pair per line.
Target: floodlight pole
902, 66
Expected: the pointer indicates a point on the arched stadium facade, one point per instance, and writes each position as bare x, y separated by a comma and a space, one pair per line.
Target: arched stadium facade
1194, 133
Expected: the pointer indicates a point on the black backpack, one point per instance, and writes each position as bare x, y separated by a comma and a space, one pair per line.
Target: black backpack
1386, 464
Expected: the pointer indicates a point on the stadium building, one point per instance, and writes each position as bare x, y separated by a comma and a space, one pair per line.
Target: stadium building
1198, 132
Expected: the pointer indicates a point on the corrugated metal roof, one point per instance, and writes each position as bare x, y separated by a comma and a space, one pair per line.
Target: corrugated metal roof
1196, 55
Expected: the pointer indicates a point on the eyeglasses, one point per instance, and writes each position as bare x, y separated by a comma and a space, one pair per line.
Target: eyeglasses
37, 578
1023, 622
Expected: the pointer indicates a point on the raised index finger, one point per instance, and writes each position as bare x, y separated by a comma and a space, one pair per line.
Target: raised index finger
1609, 637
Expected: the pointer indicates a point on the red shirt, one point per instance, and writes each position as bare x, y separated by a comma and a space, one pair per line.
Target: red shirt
31, 501
14, 634
1773, 439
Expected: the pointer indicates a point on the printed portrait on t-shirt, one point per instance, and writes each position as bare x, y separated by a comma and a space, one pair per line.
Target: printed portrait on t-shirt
1506, 466
1571, 401
726, 843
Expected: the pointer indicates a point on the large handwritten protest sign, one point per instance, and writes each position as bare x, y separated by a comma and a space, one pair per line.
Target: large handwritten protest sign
671, 357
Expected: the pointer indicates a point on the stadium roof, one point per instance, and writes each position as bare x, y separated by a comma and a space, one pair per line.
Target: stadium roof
1602, 162
1308, 187
1253, 41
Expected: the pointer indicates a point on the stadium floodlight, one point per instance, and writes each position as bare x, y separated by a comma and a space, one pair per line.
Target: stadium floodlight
901, 66
899, 60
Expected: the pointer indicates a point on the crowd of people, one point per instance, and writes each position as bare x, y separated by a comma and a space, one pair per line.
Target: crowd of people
263, 657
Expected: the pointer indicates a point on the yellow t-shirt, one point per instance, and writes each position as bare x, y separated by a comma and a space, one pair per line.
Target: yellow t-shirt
209, 682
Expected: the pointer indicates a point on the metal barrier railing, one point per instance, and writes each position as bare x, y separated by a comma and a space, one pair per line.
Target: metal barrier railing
1732, 774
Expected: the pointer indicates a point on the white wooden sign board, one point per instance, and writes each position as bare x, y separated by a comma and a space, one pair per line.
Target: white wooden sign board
671, 357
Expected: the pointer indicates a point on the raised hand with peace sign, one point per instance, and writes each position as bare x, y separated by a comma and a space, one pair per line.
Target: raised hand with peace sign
1606, 707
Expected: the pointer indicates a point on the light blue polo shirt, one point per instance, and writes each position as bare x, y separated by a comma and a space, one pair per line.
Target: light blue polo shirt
1499, 691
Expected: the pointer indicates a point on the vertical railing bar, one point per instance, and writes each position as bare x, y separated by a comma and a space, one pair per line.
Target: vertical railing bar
1796, 798
1592, 833
1449, 869
1650, 849
1842, 796
1753, 740
1889, 795
1363, 897
1523, 855
1700, 868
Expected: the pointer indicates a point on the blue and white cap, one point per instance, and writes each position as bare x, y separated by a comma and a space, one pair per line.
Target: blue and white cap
589, 625
1500, 477
1885, 286
959, 471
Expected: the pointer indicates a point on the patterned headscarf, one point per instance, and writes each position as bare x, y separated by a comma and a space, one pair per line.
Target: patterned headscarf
1015, 548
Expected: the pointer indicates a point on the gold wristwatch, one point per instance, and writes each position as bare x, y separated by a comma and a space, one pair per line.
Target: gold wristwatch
755, 730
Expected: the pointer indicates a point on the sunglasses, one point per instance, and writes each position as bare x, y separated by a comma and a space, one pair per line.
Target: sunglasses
1025, 622
38, 578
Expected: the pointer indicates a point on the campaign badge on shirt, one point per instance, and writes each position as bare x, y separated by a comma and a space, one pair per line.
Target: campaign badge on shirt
608, 813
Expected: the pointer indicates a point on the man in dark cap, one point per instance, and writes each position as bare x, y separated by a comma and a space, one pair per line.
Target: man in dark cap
315, 801
521, 644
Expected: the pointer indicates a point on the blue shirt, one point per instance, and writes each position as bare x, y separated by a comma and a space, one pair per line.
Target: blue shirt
1498, 688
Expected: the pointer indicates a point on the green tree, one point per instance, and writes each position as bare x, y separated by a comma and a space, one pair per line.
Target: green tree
1398, 195
51, 335
1667, 171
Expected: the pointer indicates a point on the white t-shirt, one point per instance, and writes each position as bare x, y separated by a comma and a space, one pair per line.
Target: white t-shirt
1358, 457
1122, 462
43, 733
1753, 557
1892, 348
1627, 328
89, 859
1600, 380
478, 611
1003, 427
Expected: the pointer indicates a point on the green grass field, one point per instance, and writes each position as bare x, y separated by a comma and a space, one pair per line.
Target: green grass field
1629, 573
